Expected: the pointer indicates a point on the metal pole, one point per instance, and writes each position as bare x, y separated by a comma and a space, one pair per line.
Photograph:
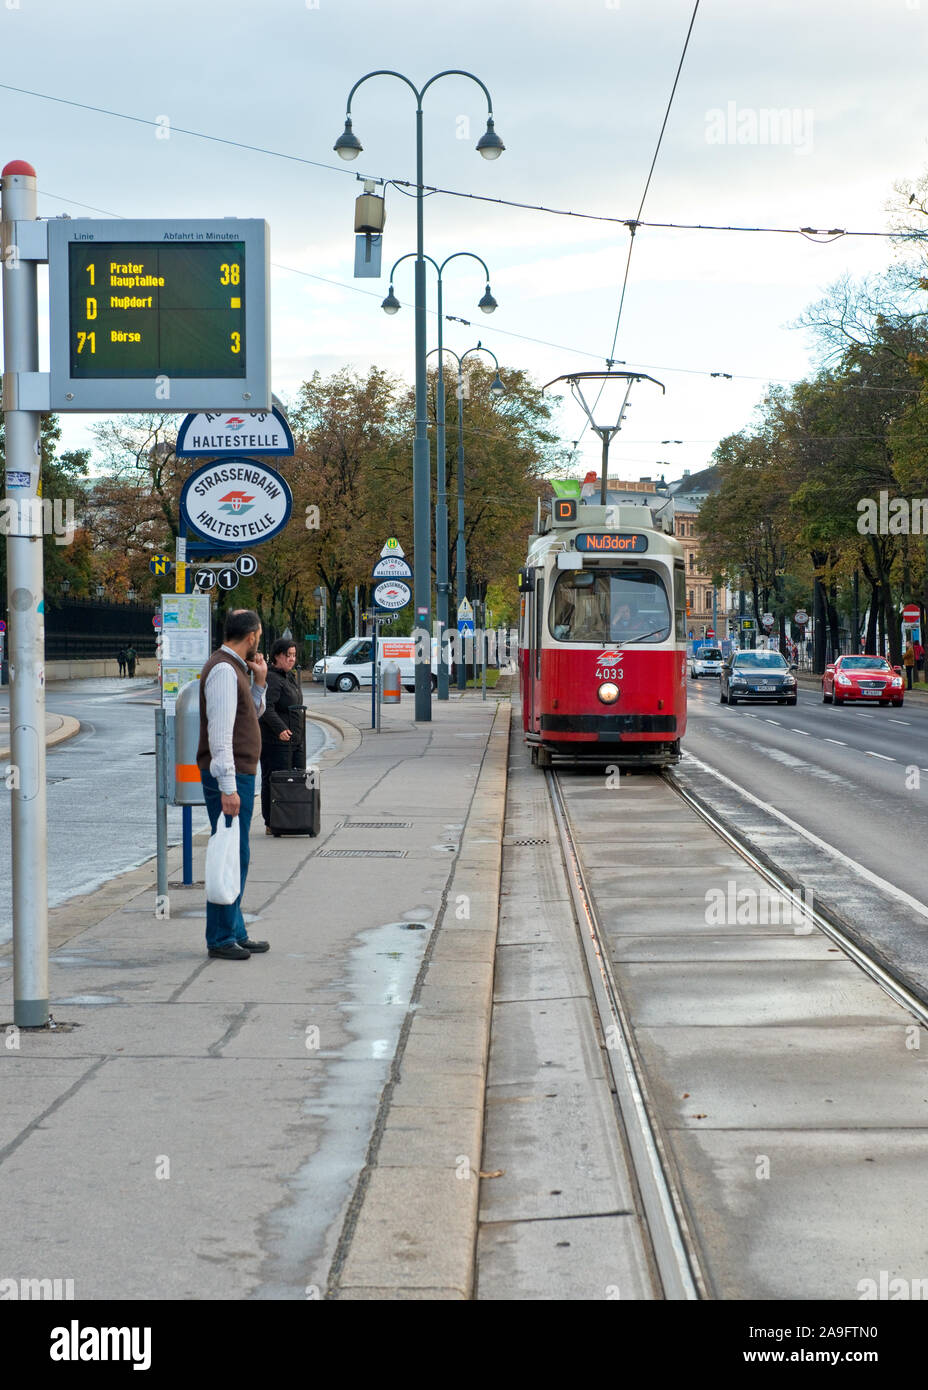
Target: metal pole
187, 819
182, 587
421, 471
378, 676
357, 614
376, 628
604, 436
161, 803
27, 625
325, 643
441, 514
460, 556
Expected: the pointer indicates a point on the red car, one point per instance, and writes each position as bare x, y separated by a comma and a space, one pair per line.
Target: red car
862, 678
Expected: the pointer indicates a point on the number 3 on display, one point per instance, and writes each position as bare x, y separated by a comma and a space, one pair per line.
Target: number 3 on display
236, 344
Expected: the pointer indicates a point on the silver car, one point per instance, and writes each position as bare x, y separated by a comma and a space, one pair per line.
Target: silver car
706, 662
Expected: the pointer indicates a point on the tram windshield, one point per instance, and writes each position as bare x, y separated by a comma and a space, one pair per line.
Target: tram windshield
605, 605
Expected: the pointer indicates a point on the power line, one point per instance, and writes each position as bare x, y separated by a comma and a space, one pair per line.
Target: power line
633, 226
832, 233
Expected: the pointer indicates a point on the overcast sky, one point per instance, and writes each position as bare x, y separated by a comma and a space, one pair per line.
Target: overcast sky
579, 89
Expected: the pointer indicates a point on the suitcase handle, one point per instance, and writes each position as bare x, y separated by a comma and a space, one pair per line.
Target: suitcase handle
290, 741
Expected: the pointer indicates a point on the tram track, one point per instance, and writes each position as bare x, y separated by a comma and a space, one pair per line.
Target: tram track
684, 1255
672, 1240
784, 884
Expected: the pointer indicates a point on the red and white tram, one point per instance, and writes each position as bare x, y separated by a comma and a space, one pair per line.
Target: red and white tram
602, 646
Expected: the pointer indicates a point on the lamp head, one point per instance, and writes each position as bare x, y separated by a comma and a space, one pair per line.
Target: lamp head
489, 144
487, 303
496, 386
348, 145
391, 305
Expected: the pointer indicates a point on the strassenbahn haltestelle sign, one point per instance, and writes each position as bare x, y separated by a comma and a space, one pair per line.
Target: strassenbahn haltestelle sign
168, 315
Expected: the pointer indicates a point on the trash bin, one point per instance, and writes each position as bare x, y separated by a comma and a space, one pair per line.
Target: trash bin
188, 789
390, 684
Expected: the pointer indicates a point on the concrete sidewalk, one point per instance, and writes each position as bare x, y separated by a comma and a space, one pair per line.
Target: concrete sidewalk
304, 1124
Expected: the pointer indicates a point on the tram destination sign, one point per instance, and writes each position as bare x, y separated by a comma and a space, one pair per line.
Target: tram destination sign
611, 542
159, 315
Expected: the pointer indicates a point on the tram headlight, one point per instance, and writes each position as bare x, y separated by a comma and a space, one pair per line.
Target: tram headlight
608, 692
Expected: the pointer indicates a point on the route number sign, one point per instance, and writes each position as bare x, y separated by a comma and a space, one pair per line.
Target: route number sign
158, 315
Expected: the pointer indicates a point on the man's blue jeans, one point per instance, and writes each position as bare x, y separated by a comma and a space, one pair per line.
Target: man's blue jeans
226, 924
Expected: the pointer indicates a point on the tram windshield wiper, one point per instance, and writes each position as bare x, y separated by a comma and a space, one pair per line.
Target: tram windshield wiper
624, 641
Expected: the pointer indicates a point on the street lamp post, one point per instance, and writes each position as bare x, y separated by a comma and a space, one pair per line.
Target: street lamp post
490, 146
442, 580
497, 389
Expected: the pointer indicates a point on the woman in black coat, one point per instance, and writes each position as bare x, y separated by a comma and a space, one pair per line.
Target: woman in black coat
281, 723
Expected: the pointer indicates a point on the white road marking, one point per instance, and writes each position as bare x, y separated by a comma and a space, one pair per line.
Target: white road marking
771, 721
801, 731
837, 741
906, 722
880, 755
898, 893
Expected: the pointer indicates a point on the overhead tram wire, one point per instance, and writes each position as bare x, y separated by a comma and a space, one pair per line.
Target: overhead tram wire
635, 223
832, 233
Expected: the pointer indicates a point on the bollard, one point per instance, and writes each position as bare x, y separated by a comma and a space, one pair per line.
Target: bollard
391, 684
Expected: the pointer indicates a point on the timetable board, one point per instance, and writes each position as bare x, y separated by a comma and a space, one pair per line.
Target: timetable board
167, 315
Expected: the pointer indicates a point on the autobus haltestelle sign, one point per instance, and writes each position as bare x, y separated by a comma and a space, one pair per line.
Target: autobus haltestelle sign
237, 502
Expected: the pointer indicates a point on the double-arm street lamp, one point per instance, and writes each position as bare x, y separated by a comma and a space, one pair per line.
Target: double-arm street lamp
490, 146
442, 579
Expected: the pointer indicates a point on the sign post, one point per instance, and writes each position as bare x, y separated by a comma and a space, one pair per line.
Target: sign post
167, 315
391, 594
27, 605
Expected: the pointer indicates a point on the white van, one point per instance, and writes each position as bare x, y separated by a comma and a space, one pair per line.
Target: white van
351, 666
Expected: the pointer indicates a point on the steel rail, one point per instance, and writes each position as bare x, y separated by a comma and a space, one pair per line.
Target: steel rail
872, 967
672, 1239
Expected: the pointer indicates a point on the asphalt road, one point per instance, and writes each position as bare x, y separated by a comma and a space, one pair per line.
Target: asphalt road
101, 790
841, 773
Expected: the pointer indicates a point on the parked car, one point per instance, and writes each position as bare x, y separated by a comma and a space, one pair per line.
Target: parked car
757, 675
351, 666
862, 678
706, 661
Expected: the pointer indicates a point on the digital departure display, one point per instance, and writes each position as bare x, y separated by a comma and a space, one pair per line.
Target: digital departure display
611, 543
153, 309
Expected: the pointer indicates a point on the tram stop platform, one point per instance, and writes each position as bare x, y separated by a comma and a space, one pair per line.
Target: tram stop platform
304, 1124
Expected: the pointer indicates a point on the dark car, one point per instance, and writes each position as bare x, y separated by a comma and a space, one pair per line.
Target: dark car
757, 675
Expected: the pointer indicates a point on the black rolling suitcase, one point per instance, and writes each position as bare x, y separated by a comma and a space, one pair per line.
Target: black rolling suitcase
295, 797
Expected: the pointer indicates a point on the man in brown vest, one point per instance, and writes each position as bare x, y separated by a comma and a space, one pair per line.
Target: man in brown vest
230, 746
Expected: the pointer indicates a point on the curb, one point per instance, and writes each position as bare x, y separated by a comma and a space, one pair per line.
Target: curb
349, 733
435, 1100
68, 727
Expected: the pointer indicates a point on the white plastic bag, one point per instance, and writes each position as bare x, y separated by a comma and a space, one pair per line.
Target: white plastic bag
223, 868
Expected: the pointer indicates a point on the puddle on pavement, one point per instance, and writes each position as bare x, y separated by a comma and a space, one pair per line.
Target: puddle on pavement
88, 999
300, 1236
